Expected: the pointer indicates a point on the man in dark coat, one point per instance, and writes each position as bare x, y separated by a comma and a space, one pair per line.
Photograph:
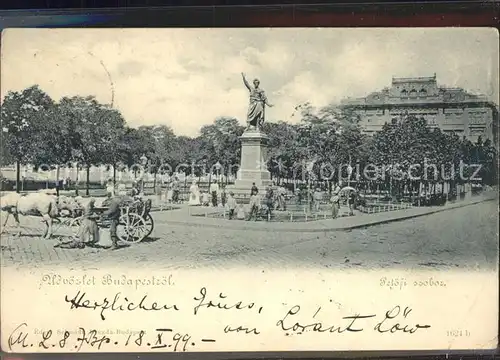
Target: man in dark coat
113, 213
269, 200
351, 201
254, 190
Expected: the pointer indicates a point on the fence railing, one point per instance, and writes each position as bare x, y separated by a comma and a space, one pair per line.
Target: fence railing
378, 208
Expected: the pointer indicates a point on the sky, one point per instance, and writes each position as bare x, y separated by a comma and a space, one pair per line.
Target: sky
185, 78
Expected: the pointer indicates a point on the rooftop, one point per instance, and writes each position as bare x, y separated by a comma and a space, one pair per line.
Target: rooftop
414, 79
429, 93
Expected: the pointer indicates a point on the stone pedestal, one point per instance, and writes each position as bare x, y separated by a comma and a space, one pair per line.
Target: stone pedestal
253, 165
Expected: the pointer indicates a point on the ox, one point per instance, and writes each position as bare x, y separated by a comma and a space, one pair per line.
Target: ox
33, 204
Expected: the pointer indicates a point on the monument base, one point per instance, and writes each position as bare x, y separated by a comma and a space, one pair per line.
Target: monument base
241, 189
253, 165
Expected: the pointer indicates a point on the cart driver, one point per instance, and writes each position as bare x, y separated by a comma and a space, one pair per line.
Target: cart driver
113, 213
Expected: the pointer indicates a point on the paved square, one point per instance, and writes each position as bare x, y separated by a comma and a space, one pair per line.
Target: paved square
465, 237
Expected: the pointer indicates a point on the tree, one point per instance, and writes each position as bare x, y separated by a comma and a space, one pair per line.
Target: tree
404, 146
159, 143
484, 157
187, 151
316, 140
97, 129
162, 151
56, 139
330, 136
23, 117
139, 142
282, 149
220, 143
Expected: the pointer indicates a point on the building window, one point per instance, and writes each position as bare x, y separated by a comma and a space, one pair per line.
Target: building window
413, 93
476, 132
404, 93
422, 93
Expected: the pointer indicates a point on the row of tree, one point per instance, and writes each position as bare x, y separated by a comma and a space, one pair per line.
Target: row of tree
38, 130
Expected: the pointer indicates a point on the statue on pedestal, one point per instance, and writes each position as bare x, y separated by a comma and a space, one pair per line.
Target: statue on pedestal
256, 108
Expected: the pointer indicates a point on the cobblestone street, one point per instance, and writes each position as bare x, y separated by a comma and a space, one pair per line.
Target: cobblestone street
465, 237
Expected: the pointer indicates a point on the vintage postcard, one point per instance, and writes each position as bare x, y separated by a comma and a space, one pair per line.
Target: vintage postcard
186, 190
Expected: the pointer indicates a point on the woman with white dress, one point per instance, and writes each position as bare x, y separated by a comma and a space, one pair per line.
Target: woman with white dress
194, 194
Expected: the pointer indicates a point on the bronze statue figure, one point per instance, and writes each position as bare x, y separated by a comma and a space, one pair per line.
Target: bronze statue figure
257, 105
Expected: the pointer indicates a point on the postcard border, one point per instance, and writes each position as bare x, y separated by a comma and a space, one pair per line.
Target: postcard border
403, 14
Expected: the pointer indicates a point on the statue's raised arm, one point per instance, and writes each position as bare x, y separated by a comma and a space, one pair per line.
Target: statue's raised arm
246, 82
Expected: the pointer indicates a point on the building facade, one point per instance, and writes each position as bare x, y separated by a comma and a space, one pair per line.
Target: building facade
453, 110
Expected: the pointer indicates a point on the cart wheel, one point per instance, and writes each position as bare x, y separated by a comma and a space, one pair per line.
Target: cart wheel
150, 224
131, 228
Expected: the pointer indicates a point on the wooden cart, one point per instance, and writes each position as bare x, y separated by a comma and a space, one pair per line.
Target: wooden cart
135, 223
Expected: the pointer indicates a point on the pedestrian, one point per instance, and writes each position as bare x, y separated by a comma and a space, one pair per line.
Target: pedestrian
194, 194
223, 196
240, 215
310, 198
110, 188
113, 213
335, 200
175, 190
254, 204
300, 194
205, 199
170, 192
350, 200
254, 189
269, 200
231, 204
214, 191
282, 198
318, 197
